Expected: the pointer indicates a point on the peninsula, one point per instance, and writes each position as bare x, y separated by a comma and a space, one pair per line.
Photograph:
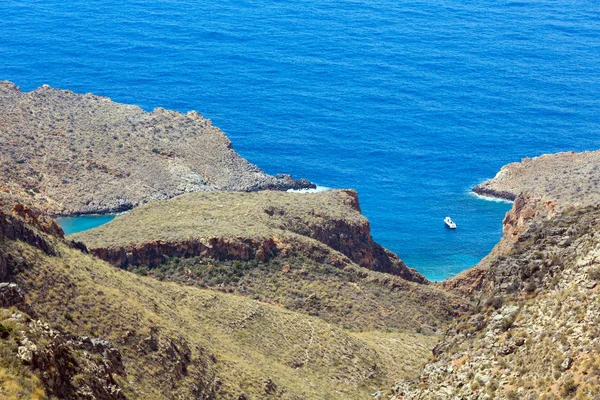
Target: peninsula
68, 153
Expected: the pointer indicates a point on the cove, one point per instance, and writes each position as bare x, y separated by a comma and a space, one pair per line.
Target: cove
83, 222
411, 103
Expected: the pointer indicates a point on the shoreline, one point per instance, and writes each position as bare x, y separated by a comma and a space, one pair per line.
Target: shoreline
316, 189
489, 197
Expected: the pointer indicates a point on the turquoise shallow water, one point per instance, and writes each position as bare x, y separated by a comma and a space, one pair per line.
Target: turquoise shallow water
83, 223
409, 102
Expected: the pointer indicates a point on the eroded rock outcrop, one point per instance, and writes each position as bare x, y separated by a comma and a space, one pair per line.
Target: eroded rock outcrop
67, 366
12, 228
36, 218
11, 295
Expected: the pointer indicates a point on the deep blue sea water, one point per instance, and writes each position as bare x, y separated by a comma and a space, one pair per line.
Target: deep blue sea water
409, 102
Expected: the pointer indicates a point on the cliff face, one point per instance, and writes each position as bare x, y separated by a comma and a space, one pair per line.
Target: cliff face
245, 226
67, 153
12, 229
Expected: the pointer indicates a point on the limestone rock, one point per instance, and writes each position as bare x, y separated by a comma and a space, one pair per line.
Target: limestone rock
10, 295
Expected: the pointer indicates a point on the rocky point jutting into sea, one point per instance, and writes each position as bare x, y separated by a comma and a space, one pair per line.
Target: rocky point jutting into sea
69, 153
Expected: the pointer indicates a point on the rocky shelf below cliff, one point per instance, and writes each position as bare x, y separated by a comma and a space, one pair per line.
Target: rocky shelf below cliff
68, 153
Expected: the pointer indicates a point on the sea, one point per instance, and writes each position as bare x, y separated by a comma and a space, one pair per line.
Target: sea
411, 103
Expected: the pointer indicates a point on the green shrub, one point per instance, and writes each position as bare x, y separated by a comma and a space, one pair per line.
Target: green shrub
4, 331
569, 387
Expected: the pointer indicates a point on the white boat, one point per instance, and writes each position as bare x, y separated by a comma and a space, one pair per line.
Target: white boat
449, 223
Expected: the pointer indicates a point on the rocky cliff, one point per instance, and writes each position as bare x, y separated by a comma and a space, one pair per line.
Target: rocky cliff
308, 252
532, 332
68, 153
244, 226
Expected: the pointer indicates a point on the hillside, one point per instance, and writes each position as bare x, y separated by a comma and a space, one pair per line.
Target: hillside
101, 332
533, 332
311, 253
253, 225
68, 153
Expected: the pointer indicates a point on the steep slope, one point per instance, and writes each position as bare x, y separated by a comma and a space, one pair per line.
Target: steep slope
533, 332
307, 252
101, 332
67, 153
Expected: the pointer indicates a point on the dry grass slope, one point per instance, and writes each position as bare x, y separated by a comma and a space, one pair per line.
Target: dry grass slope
306, 275
351, 297
226, 214
183, 342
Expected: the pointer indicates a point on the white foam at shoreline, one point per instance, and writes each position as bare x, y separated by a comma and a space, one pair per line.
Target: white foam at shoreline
315, 190
488, 198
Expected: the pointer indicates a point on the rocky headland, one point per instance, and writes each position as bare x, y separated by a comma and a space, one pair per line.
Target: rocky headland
532, 332
325, 226
236, 292
566, 178
68, 153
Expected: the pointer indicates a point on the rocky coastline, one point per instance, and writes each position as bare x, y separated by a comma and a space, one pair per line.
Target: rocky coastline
75, 154
567, 177
241, 290
531, 333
